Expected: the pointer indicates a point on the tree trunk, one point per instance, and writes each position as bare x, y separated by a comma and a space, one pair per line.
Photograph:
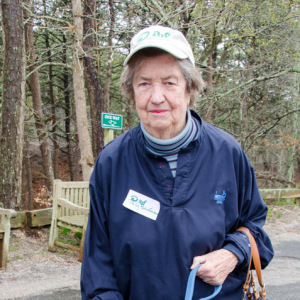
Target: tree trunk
27, 172
128, 103
12, 118
72, 143
209, 89
291, 153
129, 115
243, 121
87, 159
92, 78
34, 86
53, 107
53, 117
110, 56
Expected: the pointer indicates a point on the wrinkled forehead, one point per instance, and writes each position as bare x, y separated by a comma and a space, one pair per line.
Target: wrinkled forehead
163, 66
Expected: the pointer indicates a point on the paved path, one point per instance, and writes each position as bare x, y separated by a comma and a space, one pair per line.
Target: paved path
61, 294
282, 276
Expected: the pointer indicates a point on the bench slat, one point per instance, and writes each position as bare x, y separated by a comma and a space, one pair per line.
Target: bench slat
75, 220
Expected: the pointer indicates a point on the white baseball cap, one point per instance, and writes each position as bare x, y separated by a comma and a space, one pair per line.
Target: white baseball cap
165, 38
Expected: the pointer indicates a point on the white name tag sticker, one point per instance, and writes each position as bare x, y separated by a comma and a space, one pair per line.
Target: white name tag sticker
142, 204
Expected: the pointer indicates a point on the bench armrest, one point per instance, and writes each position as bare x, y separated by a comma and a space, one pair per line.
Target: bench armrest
65, 203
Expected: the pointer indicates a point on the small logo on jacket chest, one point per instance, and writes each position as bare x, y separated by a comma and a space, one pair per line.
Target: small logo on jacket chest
220, 198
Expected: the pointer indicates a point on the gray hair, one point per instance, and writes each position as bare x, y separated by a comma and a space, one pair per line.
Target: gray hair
194, 81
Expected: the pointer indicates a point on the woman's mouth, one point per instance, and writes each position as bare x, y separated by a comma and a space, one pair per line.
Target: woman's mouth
158, 111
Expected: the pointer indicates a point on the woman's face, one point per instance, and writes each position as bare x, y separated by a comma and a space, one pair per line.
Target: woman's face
160, 96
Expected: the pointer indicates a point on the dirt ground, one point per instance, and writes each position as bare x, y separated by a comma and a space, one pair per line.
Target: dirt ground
32, 269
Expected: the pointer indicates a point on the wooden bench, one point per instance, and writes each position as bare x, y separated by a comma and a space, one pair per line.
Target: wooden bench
5, 216
71, 202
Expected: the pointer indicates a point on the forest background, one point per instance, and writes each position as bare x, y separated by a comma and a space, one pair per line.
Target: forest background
60, 65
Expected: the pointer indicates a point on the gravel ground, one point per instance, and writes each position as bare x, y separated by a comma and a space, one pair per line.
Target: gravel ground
32, 270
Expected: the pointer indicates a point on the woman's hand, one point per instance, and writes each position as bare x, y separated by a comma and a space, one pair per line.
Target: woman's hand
216, 266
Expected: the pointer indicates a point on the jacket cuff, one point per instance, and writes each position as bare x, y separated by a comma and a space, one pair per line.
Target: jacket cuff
239, 244
111, 295
236, 251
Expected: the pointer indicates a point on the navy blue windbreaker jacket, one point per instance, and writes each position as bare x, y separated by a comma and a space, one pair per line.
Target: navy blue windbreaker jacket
132, 257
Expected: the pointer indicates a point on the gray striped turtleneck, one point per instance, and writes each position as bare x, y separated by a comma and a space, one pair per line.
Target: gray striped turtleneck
169, 148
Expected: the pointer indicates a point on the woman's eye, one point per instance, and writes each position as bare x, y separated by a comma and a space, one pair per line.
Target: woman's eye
170, 83
143, 84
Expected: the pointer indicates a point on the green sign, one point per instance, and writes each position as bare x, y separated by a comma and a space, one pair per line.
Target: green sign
111, 121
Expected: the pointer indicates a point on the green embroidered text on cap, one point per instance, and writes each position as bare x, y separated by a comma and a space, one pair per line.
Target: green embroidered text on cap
146, 34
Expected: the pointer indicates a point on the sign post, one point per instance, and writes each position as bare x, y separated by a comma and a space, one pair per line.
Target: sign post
110, 122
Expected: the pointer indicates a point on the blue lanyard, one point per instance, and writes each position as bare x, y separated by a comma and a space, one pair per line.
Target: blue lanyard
190, 287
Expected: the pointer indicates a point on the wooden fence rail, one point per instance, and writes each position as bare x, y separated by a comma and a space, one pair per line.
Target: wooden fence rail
277, 194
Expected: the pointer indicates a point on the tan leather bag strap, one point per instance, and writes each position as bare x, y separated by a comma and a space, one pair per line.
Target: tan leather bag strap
254, 255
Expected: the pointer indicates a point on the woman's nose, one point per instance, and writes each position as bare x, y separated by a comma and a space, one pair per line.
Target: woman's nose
157, 95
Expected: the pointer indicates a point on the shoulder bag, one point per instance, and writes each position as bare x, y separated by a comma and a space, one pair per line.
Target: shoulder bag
249, 288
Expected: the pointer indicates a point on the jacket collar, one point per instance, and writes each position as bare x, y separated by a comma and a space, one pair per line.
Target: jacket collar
140, 143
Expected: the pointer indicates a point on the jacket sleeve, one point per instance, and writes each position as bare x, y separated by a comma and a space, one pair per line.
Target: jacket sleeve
252, 214
98, 279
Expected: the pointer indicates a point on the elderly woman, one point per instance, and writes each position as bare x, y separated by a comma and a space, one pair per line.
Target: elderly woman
170, 193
